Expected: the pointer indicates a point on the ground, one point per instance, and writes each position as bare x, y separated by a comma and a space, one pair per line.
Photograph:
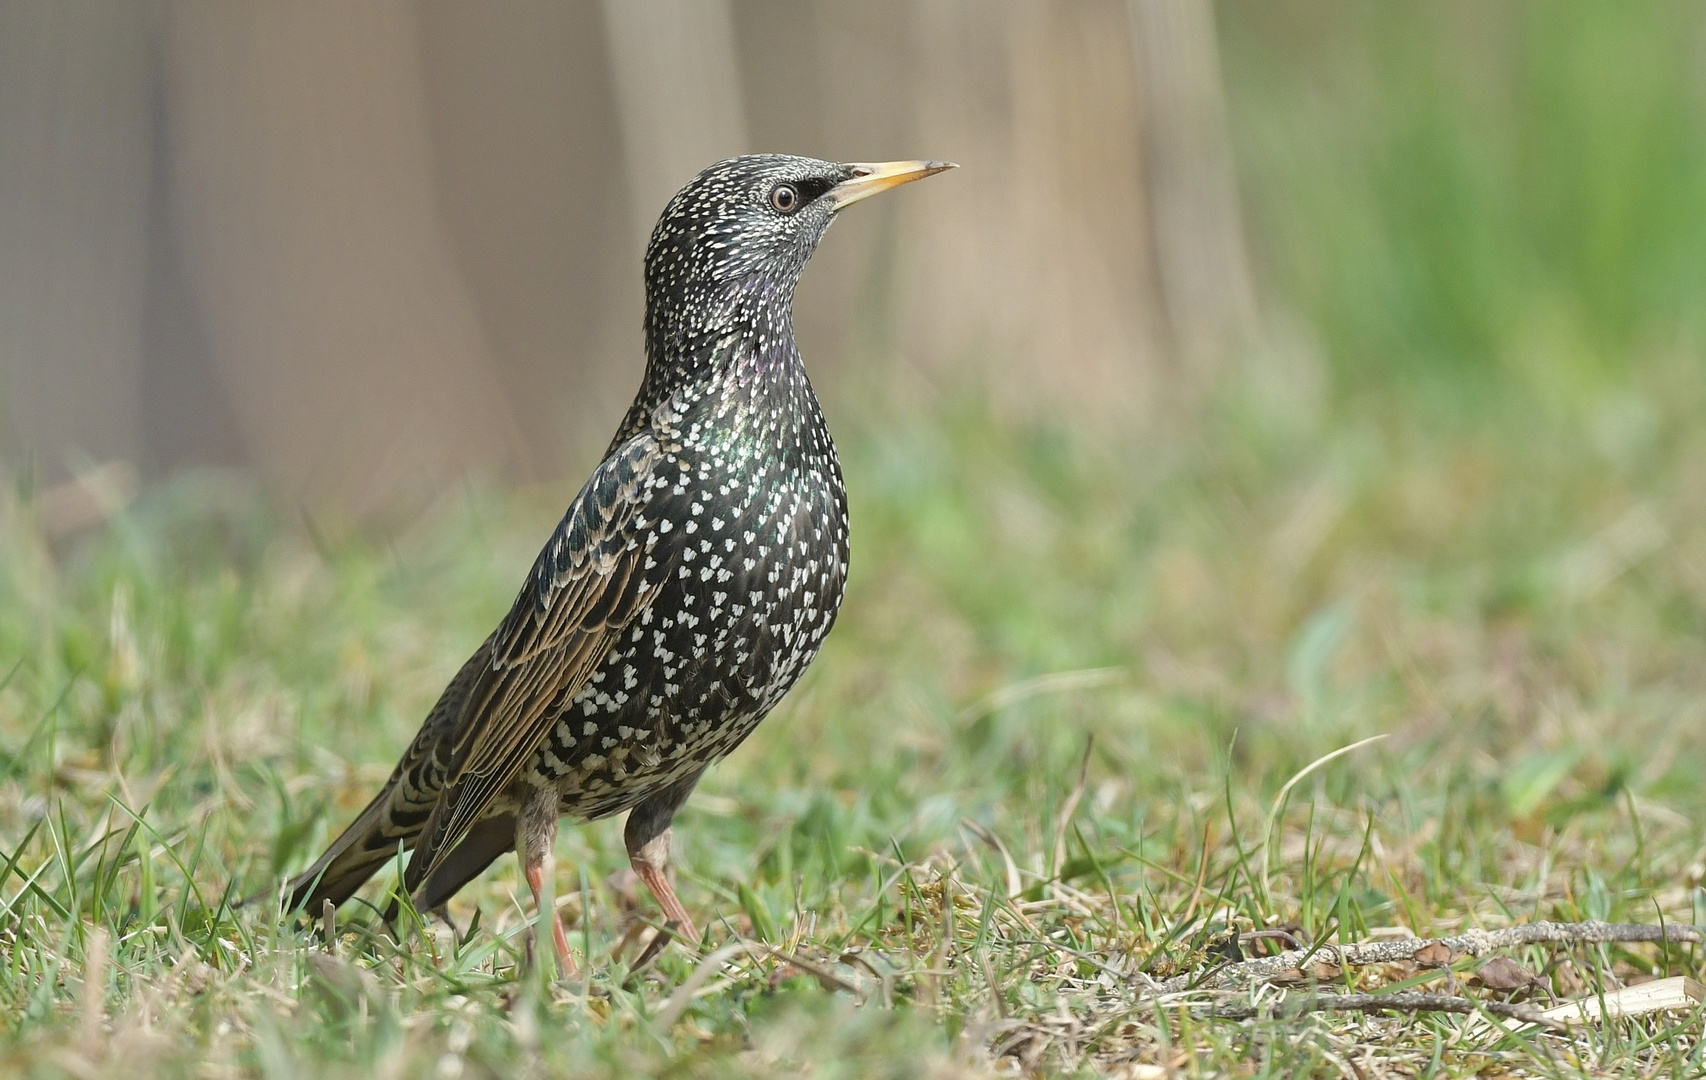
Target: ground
1047, 748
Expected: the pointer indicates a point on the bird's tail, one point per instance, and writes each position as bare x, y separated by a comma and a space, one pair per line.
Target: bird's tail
372, 839
394, 819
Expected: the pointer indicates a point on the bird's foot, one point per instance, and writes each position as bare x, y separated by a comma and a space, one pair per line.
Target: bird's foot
678, 922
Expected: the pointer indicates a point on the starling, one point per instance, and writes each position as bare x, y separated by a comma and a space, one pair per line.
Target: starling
685, 590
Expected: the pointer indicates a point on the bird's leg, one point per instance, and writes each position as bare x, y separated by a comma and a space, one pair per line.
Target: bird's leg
536, 873
535, 839
443, 912
650, 861
647, 836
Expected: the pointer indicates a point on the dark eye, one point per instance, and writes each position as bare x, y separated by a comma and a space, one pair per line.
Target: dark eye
785, 198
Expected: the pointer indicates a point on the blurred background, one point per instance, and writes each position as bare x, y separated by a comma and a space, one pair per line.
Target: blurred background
364, 248
367, 248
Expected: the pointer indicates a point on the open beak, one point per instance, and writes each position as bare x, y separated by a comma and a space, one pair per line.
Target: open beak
870, 178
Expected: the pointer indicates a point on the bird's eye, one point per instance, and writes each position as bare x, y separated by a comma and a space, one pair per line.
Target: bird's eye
785, 198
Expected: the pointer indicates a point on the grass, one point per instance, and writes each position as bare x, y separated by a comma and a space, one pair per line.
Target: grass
1454, 194
1043, 747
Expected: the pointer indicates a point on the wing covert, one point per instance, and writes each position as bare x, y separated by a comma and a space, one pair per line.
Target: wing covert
596, 573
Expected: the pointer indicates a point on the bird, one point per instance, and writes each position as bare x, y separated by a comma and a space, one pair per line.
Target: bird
689, 584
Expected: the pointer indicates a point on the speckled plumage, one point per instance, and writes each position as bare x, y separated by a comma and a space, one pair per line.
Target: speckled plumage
686, 589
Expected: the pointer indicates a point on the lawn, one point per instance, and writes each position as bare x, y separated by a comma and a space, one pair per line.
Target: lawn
1044, 756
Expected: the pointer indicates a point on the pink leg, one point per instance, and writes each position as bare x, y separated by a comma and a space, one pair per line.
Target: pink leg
535, 874
535, 836
649, 861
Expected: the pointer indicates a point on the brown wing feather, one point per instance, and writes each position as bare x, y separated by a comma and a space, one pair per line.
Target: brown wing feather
588, 583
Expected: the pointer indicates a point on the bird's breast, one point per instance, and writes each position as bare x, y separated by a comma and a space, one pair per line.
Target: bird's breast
751, 539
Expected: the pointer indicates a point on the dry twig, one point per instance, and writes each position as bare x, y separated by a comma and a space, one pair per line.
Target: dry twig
1403, 1002
1474, 943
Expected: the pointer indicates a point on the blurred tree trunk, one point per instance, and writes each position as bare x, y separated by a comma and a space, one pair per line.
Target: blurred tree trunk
1029, 269
303, 182
1193, 192
186, 416
76, 81
533, 189
678, 100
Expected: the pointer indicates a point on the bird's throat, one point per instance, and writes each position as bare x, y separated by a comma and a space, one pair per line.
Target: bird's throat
732, 334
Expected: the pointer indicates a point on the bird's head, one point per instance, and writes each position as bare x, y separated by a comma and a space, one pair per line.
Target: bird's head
748, 224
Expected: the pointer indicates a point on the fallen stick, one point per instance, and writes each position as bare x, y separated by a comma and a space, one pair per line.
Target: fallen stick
1678, 993
1404, 1002
1441, 951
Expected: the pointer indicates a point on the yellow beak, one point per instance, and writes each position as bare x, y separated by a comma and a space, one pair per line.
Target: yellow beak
870, 178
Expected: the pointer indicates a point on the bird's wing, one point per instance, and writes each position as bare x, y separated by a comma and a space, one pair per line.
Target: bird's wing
597, 572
